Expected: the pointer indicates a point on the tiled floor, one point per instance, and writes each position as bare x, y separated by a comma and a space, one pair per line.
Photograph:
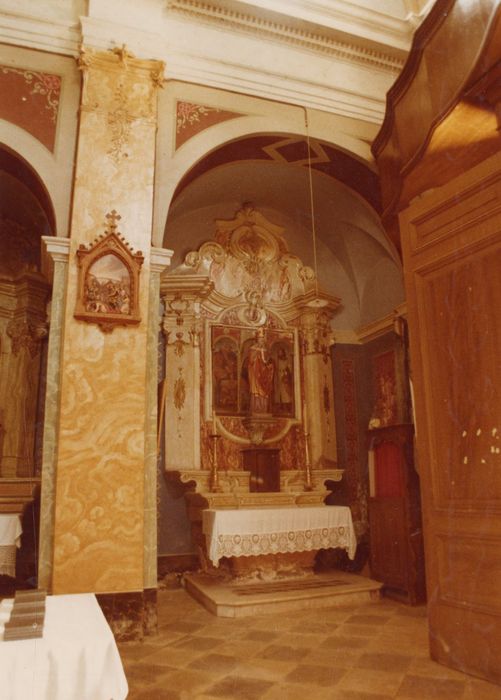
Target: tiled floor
370, 652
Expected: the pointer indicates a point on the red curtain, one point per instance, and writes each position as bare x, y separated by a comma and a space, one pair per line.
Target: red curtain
388, 470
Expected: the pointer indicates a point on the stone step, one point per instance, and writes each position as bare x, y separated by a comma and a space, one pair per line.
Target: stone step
232, 599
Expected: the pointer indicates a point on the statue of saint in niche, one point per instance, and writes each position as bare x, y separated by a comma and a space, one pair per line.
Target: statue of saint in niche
260, 372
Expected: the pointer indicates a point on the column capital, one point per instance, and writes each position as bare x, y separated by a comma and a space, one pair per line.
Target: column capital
57, 247
160, 259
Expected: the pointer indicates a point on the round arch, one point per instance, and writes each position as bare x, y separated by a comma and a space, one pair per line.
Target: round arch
181, 161
39, 166
17, 167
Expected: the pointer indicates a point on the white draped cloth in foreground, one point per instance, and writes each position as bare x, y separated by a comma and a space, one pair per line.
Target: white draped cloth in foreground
10, 538
76, 659
248, 532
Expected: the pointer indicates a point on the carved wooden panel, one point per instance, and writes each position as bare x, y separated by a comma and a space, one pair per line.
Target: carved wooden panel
453, 280
462, 326
388, 541
470, 572
396, 545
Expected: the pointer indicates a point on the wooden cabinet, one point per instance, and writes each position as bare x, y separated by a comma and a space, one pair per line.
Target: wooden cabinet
264, 467
396, 540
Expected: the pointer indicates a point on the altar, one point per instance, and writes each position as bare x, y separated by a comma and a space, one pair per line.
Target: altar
10, 540
261, 532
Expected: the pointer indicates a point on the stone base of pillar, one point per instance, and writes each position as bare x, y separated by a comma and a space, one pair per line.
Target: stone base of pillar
132, 615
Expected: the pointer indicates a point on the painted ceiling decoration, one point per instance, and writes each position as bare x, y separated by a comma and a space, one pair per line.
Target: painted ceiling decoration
192, 118
30, 99
325, 158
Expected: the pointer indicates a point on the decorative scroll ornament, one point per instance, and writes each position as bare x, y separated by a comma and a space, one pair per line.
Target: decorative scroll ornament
108, 282
119, 121
26, 334
249, 261
189, 114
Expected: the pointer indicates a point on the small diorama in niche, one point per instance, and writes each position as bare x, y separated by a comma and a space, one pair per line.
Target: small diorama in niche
108, 282
253, 371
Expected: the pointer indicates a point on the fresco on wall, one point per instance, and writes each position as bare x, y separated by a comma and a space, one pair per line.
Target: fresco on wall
385, 390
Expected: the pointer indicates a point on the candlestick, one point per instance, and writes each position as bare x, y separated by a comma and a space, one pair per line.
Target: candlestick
214, 428
308, 485
214, 475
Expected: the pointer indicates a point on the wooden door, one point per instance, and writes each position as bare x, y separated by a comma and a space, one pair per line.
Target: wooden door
451, 240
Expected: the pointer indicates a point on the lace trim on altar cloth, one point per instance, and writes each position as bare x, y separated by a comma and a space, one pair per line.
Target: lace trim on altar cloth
283, 542
8, 560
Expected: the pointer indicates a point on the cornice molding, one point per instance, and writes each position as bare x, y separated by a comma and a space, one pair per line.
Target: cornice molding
34, 32
306, 39
57, 247
197, 62
381, 326
160, 259
343, 13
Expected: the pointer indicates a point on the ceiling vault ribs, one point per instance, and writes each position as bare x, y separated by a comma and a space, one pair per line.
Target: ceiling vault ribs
311, 40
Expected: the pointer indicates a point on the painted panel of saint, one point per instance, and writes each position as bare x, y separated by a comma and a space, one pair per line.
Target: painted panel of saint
225, 375
253, 371
283, 384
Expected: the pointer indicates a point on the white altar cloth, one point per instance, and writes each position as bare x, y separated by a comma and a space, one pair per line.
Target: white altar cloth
76, 659
10, 538
248, 532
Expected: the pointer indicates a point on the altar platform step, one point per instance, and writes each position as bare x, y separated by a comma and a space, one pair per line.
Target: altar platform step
229, 599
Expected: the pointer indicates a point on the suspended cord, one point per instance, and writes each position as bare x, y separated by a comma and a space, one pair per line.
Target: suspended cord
312, 206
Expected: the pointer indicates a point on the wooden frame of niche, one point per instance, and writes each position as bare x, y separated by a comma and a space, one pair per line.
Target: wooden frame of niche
91, 306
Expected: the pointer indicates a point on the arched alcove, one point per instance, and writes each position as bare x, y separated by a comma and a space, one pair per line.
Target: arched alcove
26, 214
272, 171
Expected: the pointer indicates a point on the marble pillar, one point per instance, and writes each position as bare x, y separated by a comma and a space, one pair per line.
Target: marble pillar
58, 249
160, 259
102, 443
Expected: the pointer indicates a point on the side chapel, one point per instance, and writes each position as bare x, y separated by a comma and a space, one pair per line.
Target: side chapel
249, 264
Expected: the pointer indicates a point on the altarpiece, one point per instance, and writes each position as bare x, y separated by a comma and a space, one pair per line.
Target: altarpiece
248, 368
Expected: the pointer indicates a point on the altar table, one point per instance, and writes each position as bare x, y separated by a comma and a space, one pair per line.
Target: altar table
248, 532
76, 659
10, 538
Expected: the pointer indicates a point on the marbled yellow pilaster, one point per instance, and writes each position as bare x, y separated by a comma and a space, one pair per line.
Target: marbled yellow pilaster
101, 452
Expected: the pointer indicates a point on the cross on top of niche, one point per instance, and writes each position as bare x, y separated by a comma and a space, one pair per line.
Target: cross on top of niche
113, 217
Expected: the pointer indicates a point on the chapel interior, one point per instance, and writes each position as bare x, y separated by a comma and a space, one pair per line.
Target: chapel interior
250, 271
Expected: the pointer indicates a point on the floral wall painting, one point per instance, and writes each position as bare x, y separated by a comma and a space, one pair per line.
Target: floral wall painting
108, 285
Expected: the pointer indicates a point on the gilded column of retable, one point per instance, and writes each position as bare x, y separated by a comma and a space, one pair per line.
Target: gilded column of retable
317, 337
99, 530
